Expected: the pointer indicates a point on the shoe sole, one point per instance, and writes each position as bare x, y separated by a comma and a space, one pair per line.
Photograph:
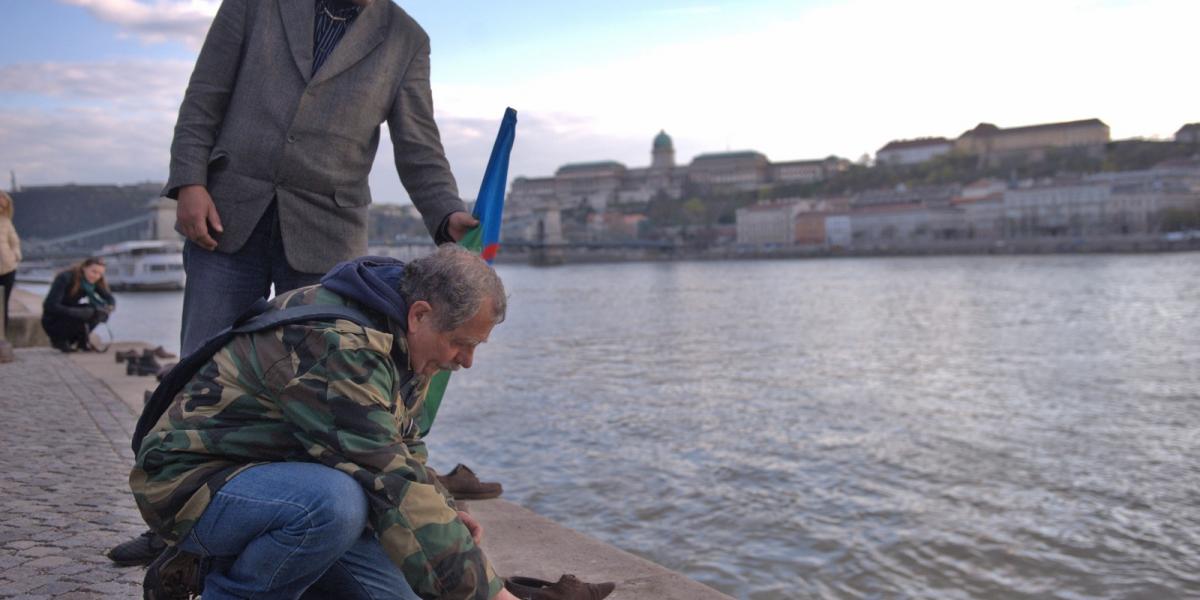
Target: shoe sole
477, 496
130, 563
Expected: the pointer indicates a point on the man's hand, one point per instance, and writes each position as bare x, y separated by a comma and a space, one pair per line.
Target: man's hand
195, 213
472, 525
460, 224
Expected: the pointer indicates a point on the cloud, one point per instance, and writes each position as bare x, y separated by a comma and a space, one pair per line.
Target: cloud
101, 122
156, 22
84, 145
131, 84
846, 78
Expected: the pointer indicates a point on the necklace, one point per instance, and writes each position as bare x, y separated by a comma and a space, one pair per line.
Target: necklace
325, 8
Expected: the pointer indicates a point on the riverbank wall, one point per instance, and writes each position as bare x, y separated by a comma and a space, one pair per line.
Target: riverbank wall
583, 254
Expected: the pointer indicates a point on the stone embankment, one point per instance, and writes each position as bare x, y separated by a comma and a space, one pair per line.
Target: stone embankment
64, 500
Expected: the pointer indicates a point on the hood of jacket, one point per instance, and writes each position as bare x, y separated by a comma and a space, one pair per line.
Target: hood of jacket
374, 282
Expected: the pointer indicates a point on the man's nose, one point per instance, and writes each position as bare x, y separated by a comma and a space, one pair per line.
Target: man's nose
466, 357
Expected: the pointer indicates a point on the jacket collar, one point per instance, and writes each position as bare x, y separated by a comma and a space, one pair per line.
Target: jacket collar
368, 31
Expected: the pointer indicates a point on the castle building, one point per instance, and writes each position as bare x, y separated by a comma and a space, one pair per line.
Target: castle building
992, 142
604, 186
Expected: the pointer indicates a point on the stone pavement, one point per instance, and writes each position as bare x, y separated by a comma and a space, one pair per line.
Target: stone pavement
64, 501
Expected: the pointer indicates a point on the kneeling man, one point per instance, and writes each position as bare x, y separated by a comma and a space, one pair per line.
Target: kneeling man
291, 466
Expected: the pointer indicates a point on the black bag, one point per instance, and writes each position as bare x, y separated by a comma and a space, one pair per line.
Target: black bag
254, 319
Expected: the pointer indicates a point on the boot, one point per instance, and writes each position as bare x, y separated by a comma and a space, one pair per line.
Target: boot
161, 352
126, 355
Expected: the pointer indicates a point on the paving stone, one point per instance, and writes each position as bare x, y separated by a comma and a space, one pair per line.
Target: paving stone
48, 562
55, 588
63, 506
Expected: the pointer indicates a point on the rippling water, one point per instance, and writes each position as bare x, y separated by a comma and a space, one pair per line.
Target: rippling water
984, 427
980, 427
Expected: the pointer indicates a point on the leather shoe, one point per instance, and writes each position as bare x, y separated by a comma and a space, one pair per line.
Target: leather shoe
141, 550
568, 587
462, 483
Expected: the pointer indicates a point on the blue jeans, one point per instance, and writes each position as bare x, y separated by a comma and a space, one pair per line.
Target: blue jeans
293, 530
220, 286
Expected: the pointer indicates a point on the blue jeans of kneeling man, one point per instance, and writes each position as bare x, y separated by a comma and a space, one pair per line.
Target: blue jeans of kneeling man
293, 530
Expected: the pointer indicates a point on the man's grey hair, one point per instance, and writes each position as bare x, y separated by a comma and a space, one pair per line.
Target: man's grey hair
455, 282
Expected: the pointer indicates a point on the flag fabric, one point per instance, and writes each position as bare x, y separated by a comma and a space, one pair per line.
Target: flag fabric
483, 239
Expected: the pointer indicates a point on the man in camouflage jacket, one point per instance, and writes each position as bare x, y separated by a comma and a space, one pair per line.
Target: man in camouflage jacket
292, 461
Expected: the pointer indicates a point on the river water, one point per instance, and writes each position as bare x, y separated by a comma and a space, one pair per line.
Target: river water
951, 427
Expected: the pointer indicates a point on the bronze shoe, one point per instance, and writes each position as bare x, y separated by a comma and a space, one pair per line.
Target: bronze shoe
464, 485
568, 587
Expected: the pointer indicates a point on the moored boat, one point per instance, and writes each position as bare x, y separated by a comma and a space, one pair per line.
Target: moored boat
144, 265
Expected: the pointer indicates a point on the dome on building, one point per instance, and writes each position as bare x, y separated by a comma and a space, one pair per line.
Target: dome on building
662, 140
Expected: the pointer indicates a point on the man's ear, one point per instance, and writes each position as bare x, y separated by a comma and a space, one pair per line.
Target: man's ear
419, 312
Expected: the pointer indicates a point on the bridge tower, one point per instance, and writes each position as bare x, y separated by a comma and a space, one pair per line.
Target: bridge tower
162, 223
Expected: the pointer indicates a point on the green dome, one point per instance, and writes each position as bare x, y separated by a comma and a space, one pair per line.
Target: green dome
662, 140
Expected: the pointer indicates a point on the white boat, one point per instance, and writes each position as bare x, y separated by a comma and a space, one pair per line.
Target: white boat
149, 265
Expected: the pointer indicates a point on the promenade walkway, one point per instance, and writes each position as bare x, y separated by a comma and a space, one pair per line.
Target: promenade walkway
64, 500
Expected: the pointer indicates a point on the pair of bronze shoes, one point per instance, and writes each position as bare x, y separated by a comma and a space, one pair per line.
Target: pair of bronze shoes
568, 587
133, 354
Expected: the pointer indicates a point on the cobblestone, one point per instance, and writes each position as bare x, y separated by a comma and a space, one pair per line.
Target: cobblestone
64, 497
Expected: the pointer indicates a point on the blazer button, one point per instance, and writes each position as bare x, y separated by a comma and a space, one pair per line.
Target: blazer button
291, 139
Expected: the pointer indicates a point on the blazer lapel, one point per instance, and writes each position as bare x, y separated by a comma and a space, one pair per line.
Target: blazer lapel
298, 18
367, 32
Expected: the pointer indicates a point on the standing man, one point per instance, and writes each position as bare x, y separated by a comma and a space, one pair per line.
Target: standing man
276, 135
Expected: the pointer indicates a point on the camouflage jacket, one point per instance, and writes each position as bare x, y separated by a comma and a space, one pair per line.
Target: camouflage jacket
334, 393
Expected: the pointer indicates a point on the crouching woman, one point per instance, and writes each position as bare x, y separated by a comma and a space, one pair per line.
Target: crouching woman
78, 300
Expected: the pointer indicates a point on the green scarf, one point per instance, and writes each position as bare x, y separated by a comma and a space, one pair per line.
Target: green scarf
93, 298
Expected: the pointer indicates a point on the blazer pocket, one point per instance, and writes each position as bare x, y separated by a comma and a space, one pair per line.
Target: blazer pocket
347, 197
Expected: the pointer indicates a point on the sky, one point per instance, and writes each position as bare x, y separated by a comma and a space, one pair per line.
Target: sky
89, 89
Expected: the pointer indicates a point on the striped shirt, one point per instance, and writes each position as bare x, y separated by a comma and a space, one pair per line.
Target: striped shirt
333, 19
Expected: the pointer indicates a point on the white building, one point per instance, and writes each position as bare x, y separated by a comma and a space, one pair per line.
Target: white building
768, 224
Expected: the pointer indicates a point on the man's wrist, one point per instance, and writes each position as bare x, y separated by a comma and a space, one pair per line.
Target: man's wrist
443, 231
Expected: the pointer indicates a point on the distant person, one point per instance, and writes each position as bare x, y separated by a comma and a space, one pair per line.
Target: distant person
10, 250
276, 135
77, 302
292, 459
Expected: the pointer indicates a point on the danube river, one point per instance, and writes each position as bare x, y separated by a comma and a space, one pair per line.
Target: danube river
965, 427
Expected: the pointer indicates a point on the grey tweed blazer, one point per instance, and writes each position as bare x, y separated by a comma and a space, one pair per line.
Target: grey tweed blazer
255, 126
